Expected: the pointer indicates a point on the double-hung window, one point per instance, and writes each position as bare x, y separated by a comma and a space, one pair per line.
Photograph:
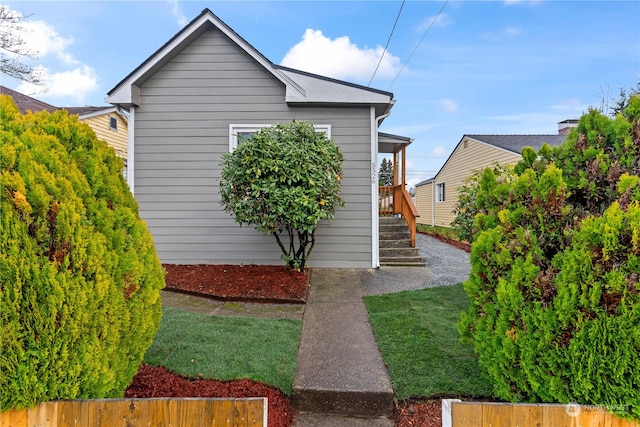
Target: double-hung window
240, 132
440, 192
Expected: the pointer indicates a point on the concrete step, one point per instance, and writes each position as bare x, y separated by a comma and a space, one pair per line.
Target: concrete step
395, 243
402, 260
396, 235
340, 370
417, 263
310, 419
395, 228
399, 252
383, 220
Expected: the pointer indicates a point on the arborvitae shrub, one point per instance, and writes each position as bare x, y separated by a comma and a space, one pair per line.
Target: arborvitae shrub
79, 276
555, 280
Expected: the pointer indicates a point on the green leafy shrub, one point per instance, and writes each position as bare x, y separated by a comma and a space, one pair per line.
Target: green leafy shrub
555, 289
79, 277
466, 207
284, 179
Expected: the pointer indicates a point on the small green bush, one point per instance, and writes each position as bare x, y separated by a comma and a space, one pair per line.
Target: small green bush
555, 286
79, 277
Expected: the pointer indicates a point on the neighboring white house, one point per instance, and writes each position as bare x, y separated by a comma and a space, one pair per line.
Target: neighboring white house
188, 103
436, 197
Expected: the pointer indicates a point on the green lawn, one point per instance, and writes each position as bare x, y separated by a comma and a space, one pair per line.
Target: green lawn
417, 335
225, 348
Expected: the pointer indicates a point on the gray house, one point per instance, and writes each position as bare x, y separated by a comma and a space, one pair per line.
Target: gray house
189, 101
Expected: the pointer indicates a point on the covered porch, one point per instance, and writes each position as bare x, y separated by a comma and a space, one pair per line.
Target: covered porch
395, 199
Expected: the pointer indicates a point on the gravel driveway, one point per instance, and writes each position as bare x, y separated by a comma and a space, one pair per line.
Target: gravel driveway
446, 265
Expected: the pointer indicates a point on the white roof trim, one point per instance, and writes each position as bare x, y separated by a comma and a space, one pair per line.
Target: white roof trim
122, 94
107, 110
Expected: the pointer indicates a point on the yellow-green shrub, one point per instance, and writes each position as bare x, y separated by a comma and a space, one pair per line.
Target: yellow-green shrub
79, 276
555, 279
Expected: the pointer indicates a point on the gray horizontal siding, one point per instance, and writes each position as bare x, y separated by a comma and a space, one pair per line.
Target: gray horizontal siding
181, 131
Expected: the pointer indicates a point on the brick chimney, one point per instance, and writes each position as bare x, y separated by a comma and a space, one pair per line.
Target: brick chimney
565, 126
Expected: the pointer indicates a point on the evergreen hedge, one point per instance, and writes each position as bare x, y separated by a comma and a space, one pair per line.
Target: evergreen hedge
555, 289
79, 277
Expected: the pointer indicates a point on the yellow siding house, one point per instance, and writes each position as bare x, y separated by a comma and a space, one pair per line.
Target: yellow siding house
436, 197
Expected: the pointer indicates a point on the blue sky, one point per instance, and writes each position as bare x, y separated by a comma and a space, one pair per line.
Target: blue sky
455, 68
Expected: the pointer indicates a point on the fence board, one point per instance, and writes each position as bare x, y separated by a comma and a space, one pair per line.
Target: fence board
491, 414
251, 412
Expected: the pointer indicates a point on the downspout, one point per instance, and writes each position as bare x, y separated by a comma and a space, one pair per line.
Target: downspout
433, 203
375, 220
130, 149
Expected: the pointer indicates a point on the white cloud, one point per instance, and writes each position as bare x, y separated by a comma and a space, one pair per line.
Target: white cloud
442, 21
505, 33
570, 106
43, 39
339, 58
439, 151
72, 84
448, 105
177, 13
65, 78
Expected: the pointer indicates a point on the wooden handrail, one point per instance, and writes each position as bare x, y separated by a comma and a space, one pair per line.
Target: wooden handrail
402, 204
397, 200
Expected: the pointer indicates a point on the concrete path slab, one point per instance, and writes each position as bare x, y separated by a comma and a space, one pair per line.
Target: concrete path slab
340, 370
324, 420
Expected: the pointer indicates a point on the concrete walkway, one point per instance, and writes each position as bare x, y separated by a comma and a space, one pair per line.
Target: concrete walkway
341, 379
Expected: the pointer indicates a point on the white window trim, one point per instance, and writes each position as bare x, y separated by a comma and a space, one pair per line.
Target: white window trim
441, 192
235, 129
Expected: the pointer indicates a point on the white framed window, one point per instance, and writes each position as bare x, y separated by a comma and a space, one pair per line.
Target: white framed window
238, 132
440, 192
113, 123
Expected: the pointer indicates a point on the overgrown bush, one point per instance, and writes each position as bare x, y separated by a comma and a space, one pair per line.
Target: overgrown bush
555, 289
79, 277
284, 180
466, 207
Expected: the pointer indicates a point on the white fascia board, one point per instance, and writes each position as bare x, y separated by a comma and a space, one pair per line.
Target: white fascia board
107, 110
124, 96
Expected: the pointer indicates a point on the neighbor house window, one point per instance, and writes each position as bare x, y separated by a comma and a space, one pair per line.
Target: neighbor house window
113, 123
238, 133
440, 192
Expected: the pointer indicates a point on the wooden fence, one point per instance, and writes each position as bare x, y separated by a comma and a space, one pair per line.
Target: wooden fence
172, 412
482, 414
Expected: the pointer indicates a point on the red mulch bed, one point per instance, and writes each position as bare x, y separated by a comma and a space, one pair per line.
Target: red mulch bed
254, 283
273, 284
156, 381
419, 413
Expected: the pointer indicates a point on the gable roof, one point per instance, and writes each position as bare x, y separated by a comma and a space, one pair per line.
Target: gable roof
26, 103
515, 143
511, 143
301, 87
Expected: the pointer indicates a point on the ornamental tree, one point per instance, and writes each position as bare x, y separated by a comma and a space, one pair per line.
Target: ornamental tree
284, 180
79, 277
555, 278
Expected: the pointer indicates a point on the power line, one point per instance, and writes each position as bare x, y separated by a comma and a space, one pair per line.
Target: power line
419, 43
388, 40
